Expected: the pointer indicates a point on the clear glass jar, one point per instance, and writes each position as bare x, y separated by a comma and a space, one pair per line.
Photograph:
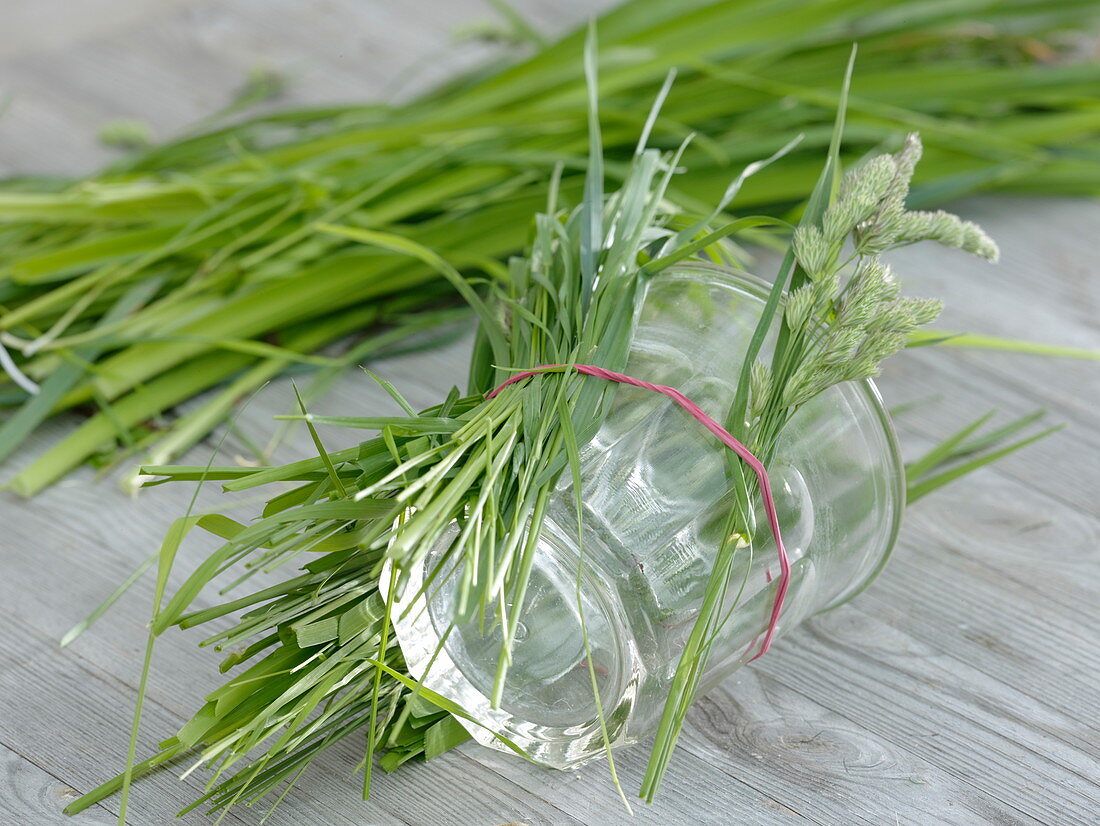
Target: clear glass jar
656, 494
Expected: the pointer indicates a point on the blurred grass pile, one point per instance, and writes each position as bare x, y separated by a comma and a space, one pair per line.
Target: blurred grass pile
197, 264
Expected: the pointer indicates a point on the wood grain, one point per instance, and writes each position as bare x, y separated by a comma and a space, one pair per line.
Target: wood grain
32, 795
961, 689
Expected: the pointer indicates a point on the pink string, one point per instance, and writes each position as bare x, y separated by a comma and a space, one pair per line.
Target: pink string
729, 441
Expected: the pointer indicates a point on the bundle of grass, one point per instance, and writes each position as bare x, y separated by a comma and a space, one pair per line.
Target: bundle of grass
202, 263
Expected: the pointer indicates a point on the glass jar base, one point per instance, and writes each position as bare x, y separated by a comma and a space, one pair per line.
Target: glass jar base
547, 706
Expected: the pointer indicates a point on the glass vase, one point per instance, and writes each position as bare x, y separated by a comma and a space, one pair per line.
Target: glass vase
656, 494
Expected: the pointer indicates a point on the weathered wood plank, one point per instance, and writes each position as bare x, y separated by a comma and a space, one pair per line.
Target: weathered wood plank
785, 737
170, 64
33, 796
903, 694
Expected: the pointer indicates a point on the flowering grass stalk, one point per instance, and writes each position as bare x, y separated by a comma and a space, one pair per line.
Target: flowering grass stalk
843, 316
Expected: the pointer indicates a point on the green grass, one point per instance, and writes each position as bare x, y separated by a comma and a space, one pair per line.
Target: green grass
113, 286
324, 659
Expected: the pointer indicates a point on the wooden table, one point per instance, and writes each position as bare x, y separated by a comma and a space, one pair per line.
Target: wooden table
961, 689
